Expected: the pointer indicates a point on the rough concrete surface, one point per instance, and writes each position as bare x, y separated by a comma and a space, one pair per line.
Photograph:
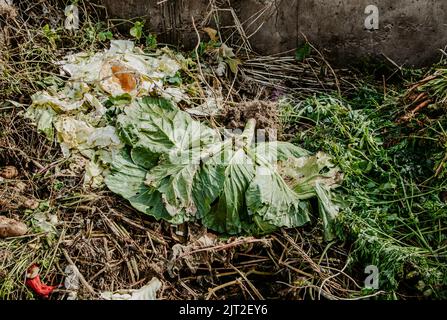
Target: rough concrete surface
410, 32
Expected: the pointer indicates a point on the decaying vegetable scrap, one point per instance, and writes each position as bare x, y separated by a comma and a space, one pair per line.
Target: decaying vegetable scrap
119, 110
11, 228
178, 169
75, 112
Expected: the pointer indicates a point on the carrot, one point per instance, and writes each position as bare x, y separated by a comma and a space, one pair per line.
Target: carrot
413, 112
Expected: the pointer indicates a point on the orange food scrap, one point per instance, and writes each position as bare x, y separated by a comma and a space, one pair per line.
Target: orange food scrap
126, 79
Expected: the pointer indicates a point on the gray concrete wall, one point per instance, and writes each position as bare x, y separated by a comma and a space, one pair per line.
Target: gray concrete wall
410, 32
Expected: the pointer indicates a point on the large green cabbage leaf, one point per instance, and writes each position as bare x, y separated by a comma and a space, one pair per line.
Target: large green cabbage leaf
178, 169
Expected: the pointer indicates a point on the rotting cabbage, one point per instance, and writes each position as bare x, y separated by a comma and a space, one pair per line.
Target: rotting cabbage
178, 169
165, 163
75, 114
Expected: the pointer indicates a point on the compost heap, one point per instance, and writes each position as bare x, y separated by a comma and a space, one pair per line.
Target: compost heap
117, 117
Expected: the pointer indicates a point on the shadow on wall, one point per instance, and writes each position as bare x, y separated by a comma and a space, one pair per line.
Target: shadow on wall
407, 32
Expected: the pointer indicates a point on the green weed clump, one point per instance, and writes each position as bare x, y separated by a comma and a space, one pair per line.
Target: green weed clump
395, 210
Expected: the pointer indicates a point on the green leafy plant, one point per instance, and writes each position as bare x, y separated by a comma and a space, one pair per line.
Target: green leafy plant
392, 209
151, 41
303, 52
105, 35
175, 80
137, 30
51, 35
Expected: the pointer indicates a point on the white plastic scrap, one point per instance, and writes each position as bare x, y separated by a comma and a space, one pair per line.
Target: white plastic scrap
148, 292
71, 282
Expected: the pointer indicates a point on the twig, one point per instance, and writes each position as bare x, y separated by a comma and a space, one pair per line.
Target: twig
327, 63
441, 165
244, 276
222, 286
224, 247
423, 81
196, 50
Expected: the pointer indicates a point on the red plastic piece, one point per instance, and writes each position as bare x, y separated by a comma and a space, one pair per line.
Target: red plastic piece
33, 281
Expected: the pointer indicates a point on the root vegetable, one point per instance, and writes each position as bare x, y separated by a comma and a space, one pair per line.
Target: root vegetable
11, 228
